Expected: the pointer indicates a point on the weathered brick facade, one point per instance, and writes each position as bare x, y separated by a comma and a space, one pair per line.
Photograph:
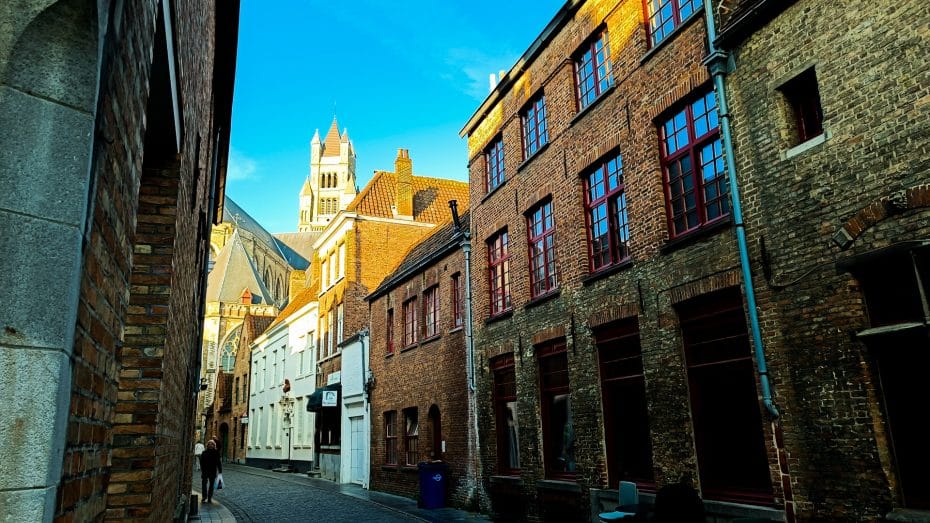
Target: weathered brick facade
661, 279
143, 189
861, 186
428, 375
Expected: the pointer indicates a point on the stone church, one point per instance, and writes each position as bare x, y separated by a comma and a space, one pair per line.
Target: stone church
256, 273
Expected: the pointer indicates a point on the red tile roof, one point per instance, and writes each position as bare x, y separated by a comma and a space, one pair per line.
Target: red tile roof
430, 197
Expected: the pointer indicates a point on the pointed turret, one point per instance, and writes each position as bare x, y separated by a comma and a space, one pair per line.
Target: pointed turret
331, 144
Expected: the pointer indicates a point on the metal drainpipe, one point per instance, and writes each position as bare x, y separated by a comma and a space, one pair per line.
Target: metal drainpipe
465, 243
716, 62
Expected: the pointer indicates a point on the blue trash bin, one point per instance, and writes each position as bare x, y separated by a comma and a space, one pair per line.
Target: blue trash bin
433, 478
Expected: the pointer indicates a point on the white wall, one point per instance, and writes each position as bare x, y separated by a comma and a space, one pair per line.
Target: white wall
355, 405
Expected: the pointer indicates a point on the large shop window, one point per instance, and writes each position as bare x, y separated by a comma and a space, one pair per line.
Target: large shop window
724, 403
626, 417
556, 406
505, 413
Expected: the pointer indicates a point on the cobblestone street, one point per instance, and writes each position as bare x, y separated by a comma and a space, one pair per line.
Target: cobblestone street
253, 494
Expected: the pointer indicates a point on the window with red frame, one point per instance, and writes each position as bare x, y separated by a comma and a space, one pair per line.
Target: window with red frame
623, 393
505, 412
457, 300
592, 70
499, 272
605, 205
556, 409
692, 160
410, 322
535, 134
731, 452
803, 95
431, 311
540, 230
389, 331
665, 15
494, 164
390, 438
411, 434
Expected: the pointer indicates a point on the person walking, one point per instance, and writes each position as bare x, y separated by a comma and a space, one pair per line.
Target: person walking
198, 450
209, 467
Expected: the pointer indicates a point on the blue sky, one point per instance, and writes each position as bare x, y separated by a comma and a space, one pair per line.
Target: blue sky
399, 74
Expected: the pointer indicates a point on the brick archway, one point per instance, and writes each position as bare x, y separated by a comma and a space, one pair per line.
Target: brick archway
915, 197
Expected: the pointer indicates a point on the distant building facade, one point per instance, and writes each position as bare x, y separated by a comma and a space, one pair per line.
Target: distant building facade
283, 365
418, 364
355, 251
115, 119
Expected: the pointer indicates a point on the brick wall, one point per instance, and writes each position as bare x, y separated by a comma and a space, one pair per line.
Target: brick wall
427, 374
874, 95
648, 83
129, 439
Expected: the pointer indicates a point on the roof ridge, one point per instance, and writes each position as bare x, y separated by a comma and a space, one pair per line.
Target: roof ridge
365, 190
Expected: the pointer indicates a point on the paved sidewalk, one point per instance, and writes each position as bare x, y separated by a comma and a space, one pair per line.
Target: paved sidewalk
397, 503
213, 512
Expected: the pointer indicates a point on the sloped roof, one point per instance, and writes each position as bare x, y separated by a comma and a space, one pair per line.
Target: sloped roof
331, 143
430, 197
252, 327
232, 273
306, 296
297, 247
236, 215
436, 244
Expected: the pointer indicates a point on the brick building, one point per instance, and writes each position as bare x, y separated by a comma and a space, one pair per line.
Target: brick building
353, 254
111, 182
418, 364
831, 134
234, 409
610, 328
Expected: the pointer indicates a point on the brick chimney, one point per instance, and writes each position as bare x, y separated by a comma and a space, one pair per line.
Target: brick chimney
403, 201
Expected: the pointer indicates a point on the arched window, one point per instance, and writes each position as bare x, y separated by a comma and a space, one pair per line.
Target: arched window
228, 353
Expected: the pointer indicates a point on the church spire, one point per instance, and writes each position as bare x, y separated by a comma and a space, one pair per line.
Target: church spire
331, 144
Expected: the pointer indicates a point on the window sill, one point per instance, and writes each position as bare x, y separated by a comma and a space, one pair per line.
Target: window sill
498, 317
389, 354
456, 329
410, 469
533, 156
539, 300
803, 147
494, 190
671, 36
506, 480
697, 235
603, 273
562, 485
390, 468
430, 339
410, 347
596, 101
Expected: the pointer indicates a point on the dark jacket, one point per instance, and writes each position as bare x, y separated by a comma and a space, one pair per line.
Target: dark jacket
210, 462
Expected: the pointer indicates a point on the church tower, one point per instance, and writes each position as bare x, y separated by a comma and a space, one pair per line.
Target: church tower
331, 184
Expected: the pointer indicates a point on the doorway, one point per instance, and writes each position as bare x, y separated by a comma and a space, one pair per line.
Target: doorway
357, 445
435, 431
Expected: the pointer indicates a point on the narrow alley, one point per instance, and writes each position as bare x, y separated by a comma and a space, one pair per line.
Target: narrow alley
253, 494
